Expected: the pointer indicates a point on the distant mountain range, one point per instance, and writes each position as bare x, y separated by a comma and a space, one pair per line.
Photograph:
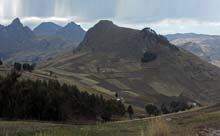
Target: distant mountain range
140, 65
206, 47
71, 31
20, 43
47, 28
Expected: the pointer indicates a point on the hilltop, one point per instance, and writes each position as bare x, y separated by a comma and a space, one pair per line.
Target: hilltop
140, 65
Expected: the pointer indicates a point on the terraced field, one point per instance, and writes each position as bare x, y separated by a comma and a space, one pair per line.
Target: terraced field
136, 83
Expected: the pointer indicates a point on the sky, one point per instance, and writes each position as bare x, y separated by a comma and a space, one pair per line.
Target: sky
164, 16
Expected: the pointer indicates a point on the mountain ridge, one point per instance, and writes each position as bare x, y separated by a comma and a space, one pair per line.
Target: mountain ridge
20, 43
47, 28
71, 31
141, 66
205, 46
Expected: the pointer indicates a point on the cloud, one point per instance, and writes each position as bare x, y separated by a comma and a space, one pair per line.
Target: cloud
165, 26
34, 21
165, 16
171, 26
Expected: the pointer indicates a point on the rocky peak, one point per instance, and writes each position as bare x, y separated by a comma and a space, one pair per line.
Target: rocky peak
16, 23
104, 24
148, 30
72, 25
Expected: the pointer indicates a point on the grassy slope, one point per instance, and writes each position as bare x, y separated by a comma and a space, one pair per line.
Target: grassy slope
69, 69
138, 84
184, 123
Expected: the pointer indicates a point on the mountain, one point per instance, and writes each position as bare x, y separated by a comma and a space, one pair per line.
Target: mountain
47, 28
15, 36
20, 43
206, 47
140, 65
1, 26
172, 37
72, 32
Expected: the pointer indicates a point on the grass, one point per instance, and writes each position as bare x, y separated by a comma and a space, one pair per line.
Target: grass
62, 132
180, 124
158, 127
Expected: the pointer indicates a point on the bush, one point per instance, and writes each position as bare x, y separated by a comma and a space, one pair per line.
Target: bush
176, 106
152, 110
164, 109
28, 67
148, 57
25, 67
17, 66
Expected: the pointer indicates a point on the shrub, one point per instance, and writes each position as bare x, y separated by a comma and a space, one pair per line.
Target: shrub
148, 57
164, 109
152, 110
25, 67
28, 67
17, 66
176, 106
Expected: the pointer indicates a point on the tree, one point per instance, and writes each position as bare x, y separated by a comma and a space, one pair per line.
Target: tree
130, 111
176, 106
152, 110
164, 109
107, 113
148, 57
26, 67
17, 66
1, 63
49, 100
116, 95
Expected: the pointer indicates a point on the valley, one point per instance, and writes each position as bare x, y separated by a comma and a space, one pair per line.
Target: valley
142, 68
109, 68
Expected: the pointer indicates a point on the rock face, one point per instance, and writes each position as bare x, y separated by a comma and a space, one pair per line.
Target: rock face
204, 46
111, 56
